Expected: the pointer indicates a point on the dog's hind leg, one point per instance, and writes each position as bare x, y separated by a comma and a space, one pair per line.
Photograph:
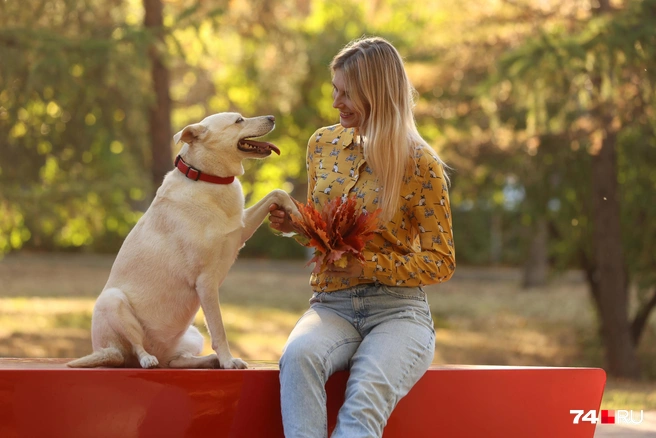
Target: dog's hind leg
189, 361
126, 325
185, 354
106, 357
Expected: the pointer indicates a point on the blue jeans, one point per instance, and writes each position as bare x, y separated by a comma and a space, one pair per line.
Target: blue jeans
383, 335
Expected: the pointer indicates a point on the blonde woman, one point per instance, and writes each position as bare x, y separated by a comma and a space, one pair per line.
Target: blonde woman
373, 320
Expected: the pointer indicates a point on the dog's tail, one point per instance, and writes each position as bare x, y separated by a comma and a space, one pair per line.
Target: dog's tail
105, 357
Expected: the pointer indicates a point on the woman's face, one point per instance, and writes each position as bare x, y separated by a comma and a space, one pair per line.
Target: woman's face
348, 116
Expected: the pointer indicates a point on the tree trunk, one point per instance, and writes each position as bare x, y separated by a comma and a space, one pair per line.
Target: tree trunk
591, 277
160, 112
609, 261
641, 318
611, 276
603, 6
536, 267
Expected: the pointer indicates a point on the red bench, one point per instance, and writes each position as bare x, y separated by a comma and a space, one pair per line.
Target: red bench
43, 398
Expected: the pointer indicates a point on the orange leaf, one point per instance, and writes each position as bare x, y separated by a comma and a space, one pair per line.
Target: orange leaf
337, 230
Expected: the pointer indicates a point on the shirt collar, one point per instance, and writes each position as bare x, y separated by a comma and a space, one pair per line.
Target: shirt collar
348, 137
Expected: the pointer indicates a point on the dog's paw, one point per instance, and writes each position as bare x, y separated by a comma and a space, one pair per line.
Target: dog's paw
148, 361
292, 210
234, 364
288, 205
284, 201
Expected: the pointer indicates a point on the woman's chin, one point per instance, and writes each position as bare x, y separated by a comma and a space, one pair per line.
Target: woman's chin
348, 123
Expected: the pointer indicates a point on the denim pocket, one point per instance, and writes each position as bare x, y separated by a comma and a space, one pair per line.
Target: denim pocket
408, 293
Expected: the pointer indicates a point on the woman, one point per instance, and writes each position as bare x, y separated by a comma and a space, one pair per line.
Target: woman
371, 319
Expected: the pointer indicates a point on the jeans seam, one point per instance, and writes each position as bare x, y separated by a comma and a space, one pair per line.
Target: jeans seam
323, 373
333, 348
388, 412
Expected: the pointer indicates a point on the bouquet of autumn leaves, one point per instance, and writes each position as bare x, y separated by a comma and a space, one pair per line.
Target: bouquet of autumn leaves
337, 233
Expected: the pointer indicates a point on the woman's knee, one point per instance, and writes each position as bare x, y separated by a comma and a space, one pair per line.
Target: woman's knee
301, 352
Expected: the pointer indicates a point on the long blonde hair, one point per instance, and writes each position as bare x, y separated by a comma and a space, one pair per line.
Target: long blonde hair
379, 88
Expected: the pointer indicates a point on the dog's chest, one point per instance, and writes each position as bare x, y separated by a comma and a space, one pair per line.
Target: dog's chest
218, 221
205, 214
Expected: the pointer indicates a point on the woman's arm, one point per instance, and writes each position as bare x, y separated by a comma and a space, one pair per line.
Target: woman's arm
430, 219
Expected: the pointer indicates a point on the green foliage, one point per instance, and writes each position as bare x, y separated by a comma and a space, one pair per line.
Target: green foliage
72, 113
482, 243
74, 98
637, 179
575, 86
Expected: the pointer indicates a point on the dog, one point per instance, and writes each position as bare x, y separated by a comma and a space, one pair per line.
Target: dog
177, 255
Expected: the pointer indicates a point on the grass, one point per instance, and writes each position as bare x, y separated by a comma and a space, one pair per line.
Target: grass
481, 316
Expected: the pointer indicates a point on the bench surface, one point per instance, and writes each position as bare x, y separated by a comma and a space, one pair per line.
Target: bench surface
44, 398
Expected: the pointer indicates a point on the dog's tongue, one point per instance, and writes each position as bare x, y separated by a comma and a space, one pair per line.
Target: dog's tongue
263, 145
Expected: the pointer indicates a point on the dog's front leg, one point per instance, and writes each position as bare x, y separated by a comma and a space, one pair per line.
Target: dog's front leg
254, 215
208, 292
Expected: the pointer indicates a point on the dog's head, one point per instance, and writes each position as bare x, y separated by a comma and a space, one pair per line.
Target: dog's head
221, 141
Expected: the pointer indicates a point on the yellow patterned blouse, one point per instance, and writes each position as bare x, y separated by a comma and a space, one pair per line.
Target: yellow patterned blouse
416, 247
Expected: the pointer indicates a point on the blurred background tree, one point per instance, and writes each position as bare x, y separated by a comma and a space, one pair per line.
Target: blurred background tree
591, 86
541, 109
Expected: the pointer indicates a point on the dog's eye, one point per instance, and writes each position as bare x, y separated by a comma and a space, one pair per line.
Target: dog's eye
239, 120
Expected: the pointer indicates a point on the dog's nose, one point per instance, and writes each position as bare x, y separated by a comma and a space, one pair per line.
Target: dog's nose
272, 118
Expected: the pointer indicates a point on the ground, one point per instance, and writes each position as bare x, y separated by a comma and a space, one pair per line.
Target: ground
481, 316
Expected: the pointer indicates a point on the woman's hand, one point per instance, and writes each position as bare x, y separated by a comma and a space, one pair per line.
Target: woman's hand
279, 219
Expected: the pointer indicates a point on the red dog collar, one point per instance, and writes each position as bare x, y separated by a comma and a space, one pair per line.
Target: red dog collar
195, 174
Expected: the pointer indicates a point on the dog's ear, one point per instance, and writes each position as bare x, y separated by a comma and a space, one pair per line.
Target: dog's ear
190, 133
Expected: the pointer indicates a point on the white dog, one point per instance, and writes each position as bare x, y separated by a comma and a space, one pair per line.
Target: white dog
178, 254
